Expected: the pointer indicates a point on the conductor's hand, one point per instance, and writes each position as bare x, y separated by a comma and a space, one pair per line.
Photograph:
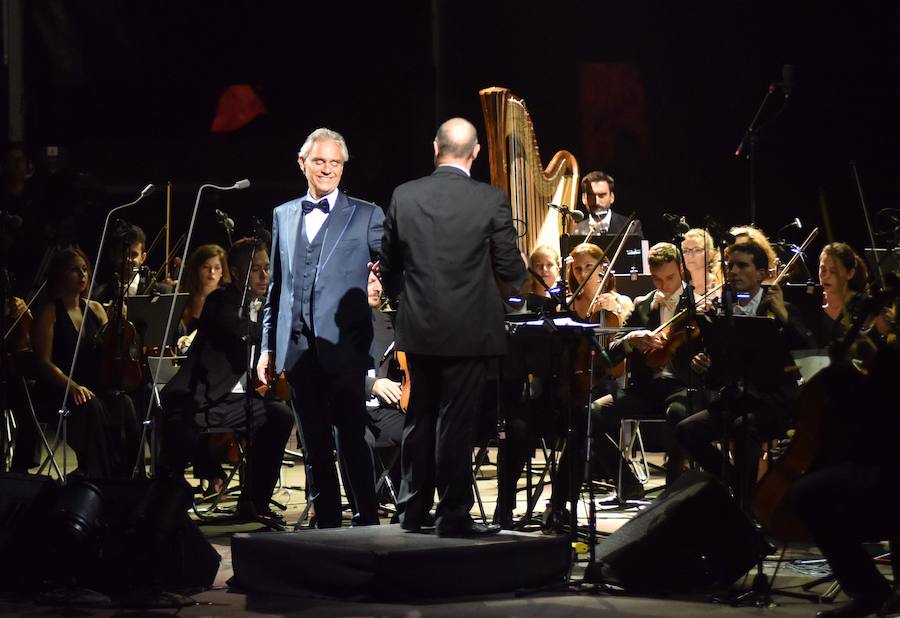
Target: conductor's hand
701, 363
644, 340
375, 268
387, 390
265, 368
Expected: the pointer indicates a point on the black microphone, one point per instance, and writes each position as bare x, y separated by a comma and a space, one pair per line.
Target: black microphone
576, 214
9, 220
224, 219
787, 79
678, 223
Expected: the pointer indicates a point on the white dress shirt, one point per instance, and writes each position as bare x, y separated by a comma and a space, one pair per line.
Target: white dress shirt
315, 219
751, 307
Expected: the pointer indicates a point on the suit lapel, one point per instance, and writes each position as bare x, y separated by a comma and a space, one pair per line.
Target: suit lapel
337, 223
292, 233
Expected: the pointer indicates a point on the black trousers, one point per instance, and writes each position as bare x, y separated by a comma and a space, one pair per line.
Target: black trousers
271, 426
843, 506
660, 398
749, 422
438, 438
332, 412
384, 435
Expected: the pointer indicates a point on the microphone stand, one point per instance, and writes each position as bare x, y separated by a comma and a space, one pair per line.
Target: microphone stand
749, 143
690, 323
241, 184
63, 408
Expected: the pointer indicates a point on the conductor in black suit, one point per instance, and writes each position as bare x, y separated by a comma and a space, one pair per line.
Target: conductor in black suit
598, 196
448, 248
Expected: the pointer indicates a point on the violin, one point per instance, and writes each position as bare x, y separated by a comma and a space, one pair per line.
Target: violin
677, 333
122, 360
280, 389
405, 379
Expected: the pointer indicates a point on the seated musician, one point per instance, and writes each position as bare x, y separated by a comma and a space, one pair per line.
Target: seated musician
609, 308
384, 430
844, 500
102, 426
701, 261
655, 389
843, 275
210, 389
206, 270
544, 260
126, 255
743, 233
760, 412
16, 319
597, 197
589, 303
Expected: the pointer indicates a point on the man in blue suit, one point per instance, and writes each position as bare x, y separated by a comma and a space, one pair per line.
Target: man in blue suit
317, 326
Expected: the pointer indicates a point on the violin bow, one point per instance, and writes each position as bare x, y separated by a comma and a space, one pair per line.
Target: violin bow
609, 268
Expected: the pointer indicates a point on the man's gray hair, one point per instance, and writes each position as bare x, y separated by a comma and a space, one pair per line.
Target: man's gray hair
322, 134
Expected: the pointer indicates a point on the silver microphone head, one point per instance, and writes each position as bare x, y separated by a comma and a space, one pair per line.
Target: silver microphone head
577, 215
797, 223
148, 190
241, 184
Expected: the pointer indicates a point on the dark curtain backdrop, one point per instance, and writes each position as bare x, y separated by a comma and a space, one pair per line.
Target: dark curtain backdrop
656, 93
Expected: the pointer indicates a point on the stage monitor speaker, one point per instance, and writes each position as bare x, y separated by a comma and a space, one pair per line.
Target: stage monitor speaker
692, 538
118, 555
24, 498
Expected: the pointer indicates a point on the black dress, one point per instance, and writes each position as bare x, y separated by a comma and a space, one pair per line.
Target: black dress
103, 431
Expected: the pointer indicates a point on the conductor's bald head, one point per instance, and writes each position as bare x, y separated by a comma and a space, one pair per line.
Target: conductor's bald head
456, 142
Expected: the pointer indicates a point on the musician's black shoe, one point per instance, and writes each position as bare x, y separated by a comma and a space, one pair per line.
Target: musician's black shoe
249, 513
504, 520
633, 492
891, 607
553, 521
854, 608
467, 529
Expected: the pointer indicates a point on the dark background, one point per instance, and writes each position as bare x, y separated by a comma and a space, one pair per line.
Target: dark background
658, 94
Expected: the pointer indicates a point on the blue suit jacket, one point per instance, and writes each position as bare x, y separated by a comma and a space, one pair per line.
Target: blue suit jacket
341, 318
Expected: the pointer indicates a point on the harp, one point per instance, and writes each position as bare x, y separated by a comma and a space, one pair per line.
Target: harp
516, 168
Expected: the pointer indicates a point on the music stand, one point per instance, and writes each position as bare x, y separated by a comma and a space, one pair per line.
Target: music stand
148, 313
743, 349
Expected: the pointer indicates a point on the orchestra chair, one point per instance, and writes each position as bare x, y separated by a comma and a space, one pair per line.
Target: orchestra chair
209, 510
631, 447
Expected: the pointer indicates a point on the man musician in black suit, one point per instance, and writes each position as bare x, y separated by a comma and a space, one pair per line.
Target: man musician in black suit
597, 197
126, 255
449, 247
384, 430
209, 389
750, 413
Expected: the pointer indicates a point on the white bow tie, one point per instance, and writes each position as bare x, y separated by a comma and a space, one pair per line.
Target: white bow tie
671, 302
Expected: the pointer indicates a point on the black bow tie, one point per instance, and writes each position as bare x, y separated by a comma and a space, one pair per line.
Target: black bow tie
310, 206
